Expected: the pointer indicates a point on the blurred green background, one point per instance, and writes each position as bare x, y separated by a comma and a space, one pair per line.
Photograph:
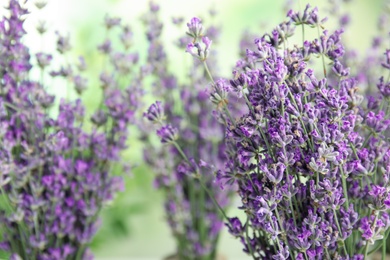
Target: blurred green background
133, 227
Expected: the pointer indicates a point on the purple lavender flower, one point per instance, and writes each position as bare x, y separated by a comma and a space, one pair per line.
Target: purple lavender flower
155, 113
304, 149
185, 168
167, 134
195, 28
55, 175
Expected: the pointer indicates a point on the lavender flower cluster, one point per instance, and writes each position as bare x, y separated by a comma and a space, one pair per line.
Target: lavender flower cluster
55, 175
310, 158
194, 149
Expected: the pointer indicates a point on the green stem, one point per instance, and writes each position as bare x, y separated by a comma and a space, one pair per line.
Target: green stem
344, 178
338, 226
80, 252
267, 144
230, 116
22, 241
327, 253
366, 250
284, 232
384, 248
201, 182
311, 144
212, 81
292, 212
372, 227
181, 151
208, 71
214, 200
247, 237
202, 226
273, 226
322, 55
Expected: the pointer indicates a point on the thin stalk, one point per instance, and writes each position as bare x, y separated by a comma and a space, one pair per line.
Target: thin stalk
366, 247
208, 71
80, 252
327, 253
248, 103
322, 55
292, 212
193, 200
303, 26
229, 115
311, 144
181, 151
384, 249
338, 227
282, 228
267, 144
288, 177
206, 67
213, 199
365, 251
273, 226
203, 234
247, 237
201, 182
22, 241
344, 181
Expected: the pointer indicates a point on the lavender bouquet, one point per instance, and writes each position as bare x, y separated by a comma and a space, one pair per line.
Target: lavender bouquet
55, 175
194, 150
310, 158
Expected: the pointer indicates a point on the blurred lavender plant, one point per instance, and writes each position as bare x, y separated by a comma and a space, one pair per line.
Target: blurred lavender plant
310, 159
55, 175
194, 148
364, 65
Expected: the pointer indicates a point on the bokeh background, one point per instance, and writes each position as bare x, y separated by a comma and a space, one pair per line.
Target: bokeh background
133, 226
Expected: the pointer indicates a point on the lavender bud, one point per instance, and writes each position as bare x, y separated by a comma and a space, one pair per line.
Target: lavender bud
195, 28
168, 134
177, 20
81, 65
126, 37
80, 84
40, 4
155, 113
220, 93
105, 47
41, 27
386, 64
63, 43
99, 118
111, 22
199, 50
43, 59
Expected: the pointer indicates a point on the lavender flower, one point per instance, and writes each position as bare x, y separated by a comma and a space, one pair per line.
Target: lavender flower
56, 176
195, 28
194, 149
307, 149
167, 134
